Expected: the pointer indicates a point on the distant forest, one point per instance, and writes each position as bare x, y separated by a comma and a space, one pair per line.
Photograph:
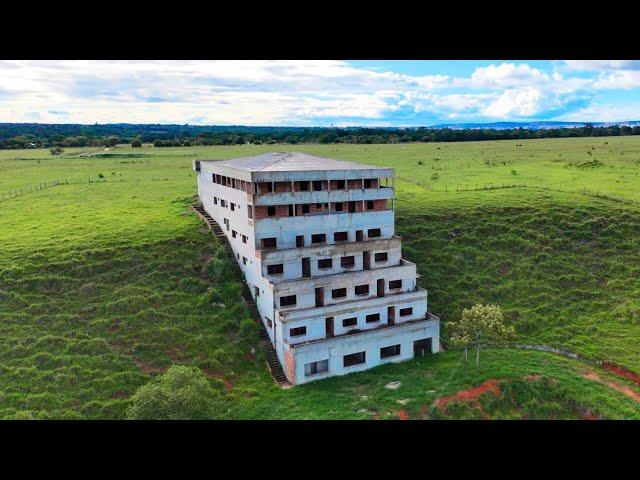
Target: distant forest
31, 135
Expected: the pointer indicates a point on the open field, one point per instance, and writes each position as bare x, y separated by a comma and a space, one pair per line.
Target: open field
105, 284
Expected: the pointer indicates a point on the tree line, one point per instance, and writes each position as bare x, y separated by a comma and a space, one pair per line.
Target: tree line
14, 136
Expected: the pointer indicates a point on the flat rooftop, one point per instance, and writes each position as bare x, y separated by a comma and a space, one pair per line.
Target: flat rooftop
290, 162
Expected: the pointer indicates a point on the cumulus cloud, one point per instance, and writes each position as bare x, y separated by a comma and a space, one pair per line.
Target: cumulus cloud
289, 92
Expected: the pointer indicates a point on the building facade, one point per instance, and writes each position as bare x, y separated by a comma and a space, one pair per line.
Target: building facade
315, 240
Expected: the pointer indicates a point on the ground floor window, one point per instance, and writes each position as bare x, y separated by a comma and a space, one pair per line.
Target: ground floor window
390, 351
354, 359
315, 368
406, 311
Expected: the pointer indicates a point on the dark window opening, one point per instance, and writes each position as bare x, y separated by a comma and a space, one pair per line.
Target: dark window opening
317, 185
250, 211
244, 239
233, 207
362, 289
340, 184
369, 204
406, 311
234, 234
393, 284
300, 241
288, 301
304, 186
275, 269
318, 205
315, 368
271, 211
353, 359
291, 210
346, 262
390, 351
256, 290
215, 200
325, 263
368, 182
374, 232
358, 235
374, 317
340, 236
349, 322
381, 257
338, 207
244, 260
269, 242
339, 293
269, 322
318, 238
305, 208
296, 332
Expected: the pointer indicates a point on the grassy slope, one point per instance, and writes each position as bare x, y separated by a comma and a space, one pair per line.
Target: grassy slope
102, 285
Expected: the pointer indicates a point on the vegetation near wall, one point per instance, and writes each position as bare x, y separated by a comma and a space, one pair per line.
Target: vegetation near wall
105, 285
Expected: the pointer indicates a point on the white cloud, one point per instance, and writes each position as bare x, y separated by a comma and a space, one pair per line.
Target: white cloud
507, 75
282, 92
602, 65
523, 102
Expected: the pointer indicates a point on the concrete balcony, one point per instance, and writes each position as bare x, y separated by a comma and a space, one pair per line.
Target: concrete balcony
329, 249
329, 221
429, 320
288, 198
286, 315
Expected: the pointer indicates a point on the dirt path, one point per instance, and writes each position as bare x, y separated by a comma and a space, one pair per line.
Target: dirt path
470, 394
619, 386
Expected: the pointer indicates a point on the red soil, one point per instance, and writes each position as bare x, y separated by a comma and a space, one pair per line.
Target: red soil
621, 371
470, 394
403, 414
619, 386
220, 375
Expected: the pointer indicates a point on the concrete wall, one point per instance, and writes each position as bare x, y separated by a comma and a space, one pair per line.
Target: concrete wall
335, 349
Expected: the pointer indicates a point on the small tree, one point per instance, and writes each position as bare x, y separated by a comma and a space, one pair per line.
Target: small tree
181, 393
57, 150
135, 143
479, 325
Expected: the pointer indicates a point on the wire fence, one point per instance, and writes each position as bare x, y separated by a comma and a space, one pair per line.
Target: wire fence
16, 192
468, 187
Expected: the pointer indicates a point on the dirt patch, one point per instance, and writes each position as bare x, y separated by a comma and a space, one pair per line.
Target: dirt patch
375, 416
402, 414
619, 386
470, 394
115, 326
532, 378
119, 394
621, 372
220, 376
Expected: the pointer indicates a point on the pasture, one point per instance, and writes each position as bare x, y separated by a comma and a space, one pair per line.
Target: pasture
106, 279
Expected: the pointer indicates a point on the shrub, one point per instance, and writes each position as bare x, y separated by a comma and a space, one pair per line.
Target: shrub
56, 150
136, 143
181, 393
435, 176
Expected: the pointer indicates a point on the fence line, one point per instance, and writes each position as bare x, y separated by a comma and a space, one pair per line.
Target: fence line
467, 187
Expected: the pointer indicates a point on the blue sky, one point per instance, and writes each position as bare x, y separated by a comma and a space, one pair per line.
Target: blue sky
324, 93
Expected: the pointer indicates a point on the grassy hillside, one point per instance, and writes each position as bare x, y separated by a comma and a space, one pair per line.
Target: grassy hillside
105, 284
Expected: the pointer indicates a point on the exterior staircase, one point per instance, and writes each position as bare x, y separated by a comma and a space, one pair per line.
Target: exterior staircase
442, 347
272, 358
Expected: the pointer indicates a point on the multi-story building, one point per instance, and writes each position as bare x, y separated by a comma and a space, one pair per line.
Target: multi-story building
315, 240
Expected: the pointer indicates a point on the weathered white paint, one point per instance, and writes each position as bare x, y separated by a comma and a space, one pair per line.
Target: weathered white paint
316, 344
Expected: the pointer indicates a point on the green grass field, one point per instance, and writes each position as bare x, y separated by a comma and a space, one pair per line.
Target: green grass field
109, 279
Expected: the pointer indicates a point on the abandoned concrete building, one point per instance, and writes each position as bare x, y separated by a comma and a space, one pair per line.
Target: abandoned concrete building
315, 240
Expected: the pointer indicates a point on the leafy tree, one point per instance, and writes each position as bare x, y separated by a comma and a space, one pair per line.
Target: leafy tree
56, 150
479, 325
181, 393
135, 143
111, 141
